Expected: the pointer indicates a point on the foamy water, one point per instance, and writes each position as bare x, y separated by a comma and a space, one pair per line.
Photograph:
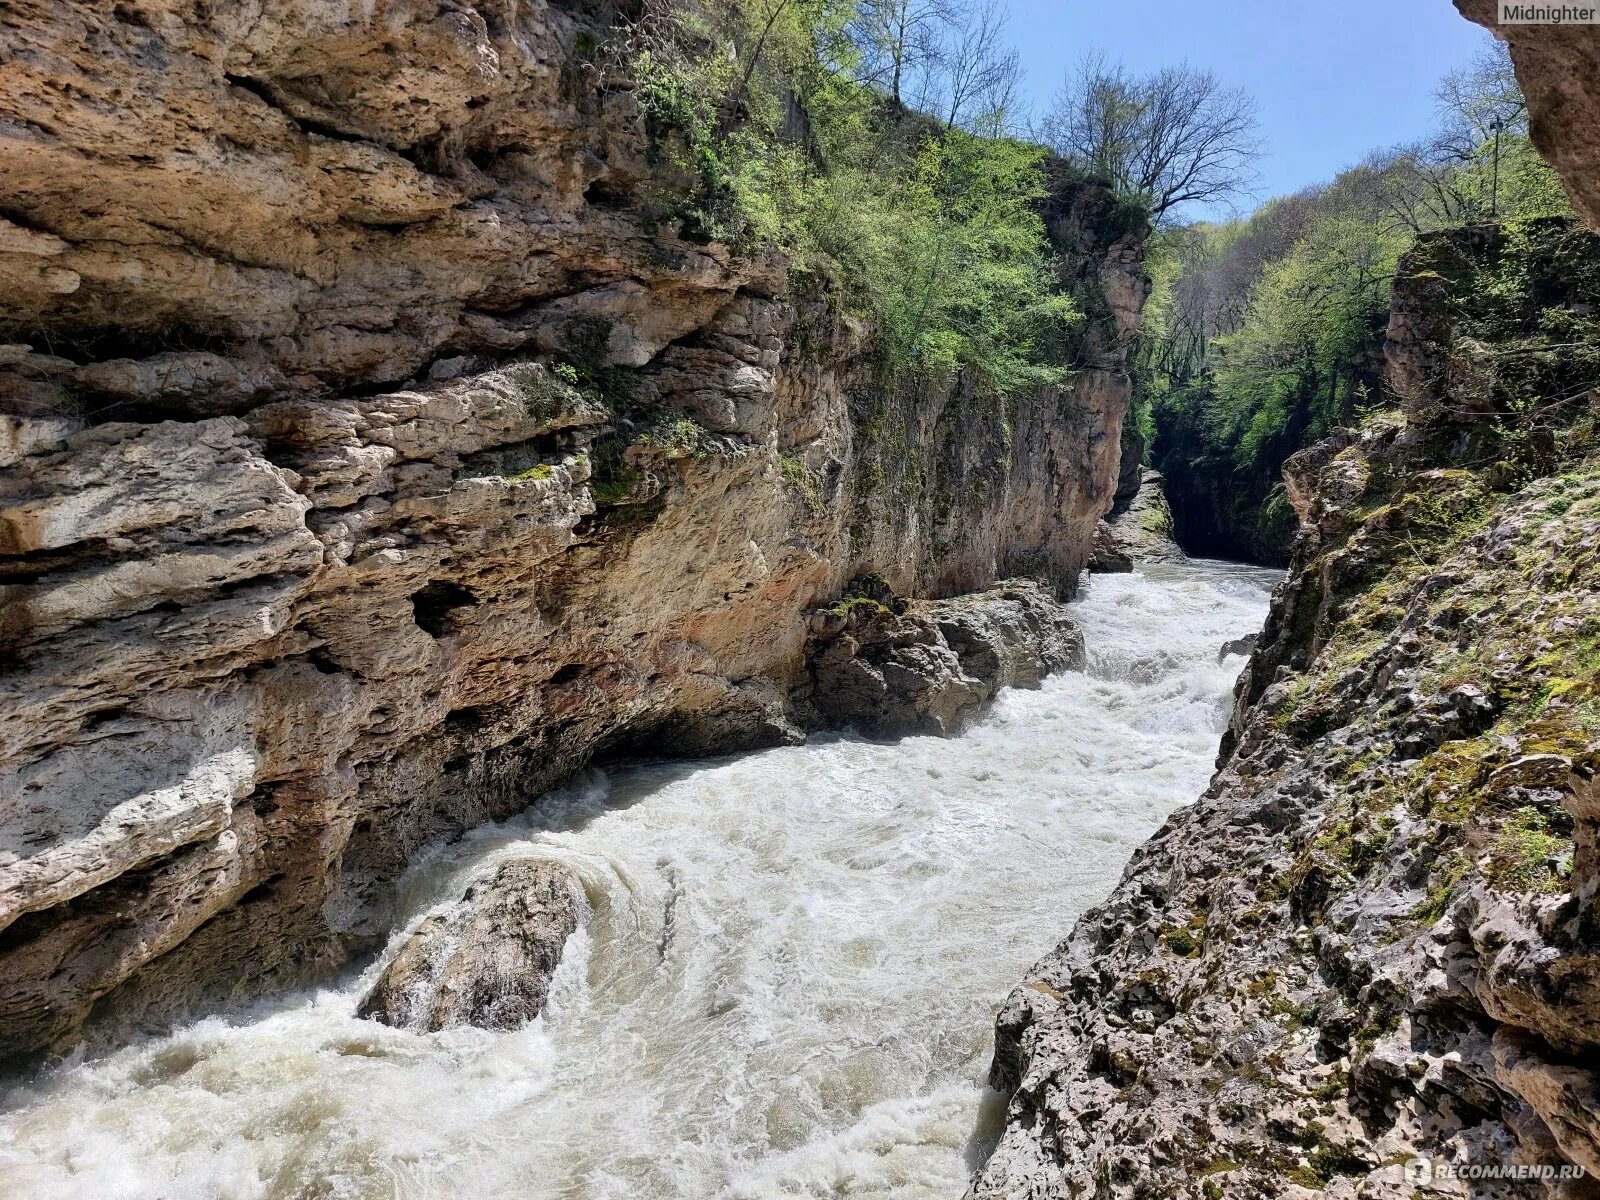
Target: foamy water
785, 985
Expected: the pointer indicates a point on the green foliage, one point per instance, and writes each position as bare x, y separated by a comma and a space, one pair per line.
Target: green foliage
866, 605
798, 478
1300, 357
1526, 852
1263, 335
614, 489
957, 266
931, 233
1515, 310
1184, 942
677, 437
1511, 183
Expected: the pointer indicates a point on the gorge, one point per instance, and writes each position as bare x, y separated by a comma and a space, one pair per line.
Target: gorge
492, 485
783, 987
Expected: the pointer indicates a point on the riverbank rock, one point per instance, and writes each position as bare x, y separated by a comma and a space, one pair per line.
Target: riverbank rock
1109, 556
1374, 940
1139, 532
486, 961
891, 668
1238, 647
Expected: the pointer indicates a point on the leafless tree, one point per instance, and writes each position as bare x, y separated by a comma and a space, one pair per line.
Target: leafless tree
979, 77
1477, 100
1176, 137
1421, 185
900, 42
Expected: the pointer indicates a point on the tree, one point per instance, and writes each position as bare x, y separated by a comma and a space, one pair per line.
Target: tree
1174, 138
900, 42
1478, 101
978, 77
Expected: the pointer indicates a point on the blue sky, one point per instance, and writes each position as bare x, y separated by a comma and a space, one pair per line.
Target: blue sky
1333, 79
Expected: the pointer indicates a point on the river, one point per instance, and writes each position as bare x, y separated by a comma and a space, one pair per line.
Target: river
785, 985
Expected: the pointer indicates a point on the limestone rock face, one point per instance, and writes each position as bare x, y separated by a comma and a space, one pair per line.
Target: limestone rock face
1139, 530
1556, 67
259, 202
890, 668
487, 961
316, 544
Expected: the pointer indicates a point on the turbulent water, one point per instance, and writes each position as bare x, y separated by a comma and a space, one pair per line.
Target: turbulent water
784, 988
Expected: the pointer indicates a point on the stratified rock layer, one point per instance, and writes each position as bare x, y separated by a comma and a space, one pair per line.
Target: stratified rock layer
369, 461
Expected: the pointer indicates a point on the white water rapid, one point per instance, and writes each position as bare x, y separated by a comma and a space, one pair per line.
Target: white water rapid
785, 987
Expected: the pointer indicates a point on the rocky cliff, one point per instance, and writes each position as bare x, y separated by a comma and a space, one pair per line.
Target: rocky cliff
372, 456
1139, 529
1371, 952
1556, 68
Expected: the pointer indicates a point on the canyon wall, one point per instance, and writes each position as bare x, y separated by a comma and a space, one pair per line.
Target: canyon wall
372, 457
1372, 949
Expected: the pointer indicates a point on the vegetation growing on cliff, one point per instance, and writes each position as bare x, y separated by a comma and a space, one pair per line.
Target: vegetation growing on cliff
1265, 333
1460, 574
791, 124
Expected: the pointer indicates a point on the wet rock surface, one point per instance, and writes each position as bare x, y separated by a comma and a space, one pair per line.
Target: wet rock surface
891, 668
486, 961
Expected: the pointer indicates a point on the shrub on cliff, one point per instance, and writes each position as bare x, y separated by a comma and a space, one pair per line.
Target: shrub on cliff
766, 114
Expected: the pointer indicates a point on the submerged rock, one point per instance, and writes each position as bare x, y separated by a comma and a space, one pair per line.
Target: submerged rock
488, 960
890, 668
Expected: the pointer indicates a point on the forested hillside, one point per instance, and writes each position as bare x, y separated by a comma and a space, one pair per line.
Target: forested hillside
1265, 333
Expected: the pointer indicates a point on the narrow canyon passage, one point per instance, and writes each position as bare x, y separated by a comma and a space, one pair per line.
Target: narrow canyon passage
785, 986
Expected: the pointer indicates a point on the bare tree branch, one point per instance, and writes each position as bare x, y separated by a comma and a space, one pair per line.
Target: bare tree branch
1175, 138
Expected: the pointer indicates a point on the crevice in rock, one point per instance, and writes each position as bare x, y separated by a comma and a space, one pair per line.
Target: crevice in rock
265, 93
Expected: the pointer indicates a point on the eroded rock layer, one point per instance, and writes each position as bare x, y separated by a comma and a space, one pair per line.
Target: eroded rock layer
369, 462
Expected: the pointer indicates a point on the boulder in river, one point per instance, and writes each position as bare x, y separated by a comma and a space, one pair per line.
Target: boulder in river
488, 959
891, 668
1140, 531
1238, 646
1110, 556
